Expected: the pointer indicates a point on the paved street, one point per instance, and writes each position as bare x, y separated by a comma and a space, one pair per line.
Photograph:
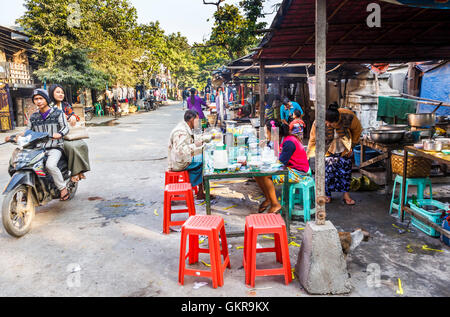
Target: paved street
108, 241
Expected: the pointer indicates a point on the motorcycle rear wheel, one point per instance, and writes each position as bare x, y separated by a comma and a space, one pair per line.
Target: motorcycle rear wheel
18, 211
72, 188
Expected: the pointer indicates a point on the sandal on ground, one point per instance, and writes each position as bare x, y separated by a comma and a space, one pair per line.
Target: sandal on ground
277, 212
262, 209
328, 200
349, 202
66, 196
75, 179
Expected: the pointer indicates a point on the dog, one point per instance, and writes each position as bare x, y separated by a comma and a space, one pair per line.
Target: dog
350, 241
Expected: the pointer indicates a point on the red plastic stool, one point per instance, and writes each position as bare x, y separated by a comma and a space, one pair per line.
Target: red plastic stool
266, 224
213, 227
179, 177
177, 192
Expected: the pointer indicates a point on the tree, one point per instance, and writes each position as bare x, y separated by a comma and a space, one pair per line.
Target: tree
73, 68
108, 28
236, 32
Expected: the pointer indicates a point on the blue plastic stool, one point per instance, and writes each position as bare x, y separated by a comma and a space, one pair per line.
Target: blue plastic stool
302, 193
421, 184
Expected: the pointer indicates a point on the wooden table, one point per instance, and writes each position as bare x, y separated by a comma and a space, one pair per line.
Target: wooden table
439, 157
386, 150
207, 177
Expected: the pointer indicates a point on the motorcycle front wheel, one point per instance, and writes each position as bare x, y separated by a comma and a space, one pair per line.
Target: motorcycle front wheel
18, 211
88, 116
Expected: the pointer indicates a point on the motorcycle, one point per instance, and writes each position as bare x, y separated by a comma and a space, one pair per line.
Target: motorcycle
30, 185
149, 104
89, 113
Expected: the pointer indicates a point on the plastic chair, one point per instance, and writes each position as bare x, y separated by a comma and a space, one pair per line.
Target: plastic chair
266, 224
421, 184
177, 192
214, 228
99, 112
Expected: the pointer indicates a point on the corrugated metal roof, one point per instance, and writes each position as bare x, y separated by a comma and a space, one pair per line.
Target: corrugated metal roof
406, 33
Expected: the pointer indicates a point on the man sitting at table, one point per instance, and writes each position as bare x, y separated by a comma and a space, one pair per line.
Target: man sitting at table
186, 153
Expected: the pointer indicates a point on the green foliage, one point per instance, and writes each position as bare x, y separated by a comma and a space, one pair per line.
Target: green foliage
74, 68
236, 32
107, 28
107, 45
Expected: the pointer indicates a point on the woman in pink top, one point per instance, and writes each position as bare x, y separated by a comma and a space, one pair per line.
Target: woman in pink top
293, 156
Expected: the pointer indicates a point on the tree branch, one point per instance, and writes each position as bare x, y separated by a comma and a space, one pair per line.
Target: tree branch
217, 3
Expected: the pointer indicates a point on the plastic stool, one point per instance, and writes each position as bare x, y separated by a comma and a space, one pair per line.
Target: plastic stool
177, 192
213, 227
99, 111
421, 184
179, 177
266, 224
306, 197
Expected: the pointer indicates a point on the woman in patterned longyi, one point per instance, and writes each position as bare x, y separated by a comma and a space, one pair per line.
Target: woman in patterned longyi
343, 131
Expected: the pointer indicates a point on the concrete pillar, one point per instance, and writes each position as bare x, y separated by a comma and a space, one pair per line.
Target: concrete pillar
321, 266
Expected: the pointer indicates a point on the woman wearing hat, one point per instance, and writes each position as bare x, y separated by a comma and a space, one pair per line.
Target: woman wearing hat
77, 151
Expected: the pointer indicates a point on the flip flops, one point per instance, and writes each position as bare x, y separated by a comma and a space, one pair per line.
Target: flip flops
261, 210
346, 202
66, 196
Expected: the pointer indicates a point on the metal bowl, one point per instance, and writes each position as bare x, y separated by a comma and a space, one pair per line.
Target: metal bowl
422, 120
392, 127
433, 146
387, 136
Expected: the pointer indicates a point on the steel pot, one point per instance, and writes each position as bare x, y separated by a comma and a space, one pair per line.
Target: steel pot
392, 127
422, 120
434, 146
387, 136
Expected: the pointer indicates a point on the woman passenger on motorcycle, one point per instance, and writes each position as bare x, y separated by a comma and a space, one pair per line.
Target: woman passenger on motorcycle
77, 151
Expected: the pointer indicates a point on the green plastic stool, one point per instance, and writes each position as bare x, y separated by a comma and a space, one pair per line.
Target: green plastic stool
302, 193
421, 184
99, 111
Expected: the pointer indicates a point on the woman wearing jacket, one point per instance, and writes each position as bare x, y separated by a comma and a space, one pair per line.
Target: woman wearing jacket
343, 131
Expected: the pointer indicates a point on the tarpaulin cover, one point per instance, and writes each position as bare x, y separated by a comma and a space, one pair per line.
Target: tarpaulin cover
436, 86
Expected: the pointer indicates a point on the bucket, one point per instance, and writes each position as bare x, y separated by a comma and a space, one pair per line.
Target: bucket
368, 154
446, 226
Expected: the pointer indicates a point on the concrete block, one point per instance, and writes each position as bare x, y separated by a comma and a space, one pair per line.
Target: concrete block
321, 265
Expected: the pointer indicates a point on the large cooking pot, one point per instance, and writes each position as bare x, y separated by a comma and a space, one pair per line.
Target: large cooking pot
422, 120
387, 136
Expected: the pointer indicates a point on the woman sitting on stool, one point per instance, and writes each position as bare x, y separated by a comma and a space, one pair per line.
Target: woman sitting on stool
293, 156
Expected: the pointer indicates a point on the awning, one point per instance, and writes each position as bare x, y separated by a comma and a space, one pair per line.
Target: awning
406, 33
